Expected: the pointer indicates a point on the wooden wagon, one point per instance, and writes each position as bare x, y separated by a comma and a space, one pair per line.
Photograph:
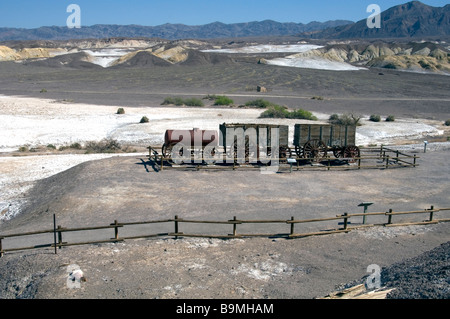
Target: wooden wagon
247, 142
315, 141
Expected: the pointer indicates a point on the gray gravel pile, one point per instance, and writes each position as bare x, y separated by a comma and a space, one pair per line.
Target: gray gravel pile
426, 276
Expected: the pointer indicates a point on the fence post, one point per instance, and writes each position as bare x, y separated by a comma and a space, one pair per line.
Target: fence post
345, 221
60, 237
387, 161
431, 213
292, 226
176, 226
116, 230
390, 217
1, 249
234, 226
54, 233
414, 165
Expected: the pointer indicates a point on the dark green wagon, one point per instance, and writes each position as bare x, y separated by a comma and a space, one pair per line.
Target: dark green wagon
258, 140
316, 141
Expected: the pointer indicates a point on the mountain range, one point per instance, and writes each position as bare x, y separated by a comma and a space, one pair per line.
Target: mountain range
168, 31
409, 20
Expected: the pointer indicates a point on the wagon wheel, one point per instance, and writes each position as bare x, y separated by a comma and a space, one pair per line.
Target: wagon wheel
315, 150
249, 152
299, 151
284, 153
352, 152
338, 152
167, 153
210, 153
180, 148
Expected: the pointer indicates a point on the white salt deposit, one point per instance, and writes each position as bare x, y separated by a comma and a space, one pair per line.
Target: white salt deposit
266, 48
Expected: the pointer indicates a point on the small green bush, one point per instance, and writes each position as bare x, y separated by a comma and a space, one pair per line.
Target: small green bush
51, 146
178, 101
278, 111
193, 102
319, 98
447, 123
275, 111
345, 119
390, 118
120, 110
223, 100
259, 103
43, 91
23, 149
302, 114
144, 119
104, 146
375, 118
75, 146
333, 118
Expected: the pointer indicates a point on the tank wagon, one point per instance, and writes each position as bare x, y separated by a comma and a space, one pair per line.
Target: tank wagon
190, 142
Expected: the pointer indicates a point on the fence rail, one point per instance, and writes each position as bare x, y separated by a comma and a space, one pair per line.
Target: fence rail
383, 157
289, 234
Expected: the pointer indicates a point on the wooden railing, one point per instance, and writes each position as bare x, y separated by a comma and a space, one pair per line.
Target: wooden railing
290, 233
370, 158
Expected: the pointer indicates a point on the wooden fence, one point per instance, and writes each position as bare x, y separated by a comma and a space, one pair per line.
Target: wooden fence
370, 158
290, 233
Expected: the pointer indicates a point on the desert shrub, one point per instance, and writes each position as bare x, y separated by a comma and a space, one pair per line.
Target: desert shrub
210, 97
447, 123
120, 110
345, 119
23, 149
193, 102
107, 145
178, 101
278, 111
375, 118
319, 98
259, 103
275, 111
43, 91
75, 146
302, 114
144, 119
333, 118
51, 146
173, 101
223, 100
390, 118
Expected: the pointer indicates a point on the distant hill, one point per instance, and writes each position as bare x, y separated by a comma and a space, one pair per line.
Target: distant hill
168, 31
409, 20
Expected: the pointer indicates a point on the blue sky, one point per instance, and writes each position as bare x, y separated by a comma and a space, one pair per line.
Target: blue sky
36, 13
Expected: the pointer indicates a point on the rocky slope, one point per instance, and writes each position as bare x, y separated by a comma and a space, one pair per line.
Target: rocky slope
413, 56
412, 19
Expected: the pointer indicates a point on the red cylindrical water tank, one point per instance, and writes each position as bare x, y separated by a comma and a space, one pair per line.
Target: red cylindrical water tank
191, 137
